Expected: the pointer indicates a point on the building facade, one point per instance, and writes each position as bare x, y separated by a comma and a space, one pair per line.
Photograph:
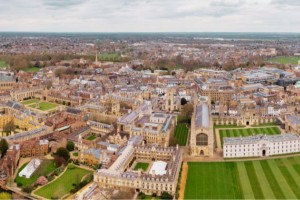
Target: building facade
261, 145
202, 135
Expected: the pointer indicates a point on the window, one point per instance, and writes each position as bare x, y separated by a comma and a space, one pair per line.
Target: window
201, 139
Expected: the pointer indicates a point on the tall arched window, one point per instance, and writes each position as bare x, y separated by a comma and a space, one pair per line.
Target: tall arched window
202, 139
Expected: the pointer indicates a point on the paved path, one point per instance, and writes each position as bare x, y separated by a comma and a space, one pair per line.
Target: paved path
183, 179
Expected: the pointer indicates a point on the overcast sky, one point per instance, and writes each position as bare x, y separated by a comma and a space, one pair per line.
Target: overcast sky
150, 15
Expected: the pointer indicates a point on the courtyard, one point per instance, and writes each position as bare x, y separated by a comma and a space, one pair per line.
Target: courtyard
141, 165
262, 179
181, 134
39, 105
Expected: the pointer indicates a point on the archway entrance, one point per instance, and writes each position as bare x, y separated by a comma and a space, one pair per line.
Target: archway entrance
201, 153
247, 123
263, 152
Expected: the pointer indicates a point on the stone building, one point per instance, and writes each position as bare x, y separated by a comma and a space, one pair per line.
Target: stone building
202, 135
261, 145
155, 181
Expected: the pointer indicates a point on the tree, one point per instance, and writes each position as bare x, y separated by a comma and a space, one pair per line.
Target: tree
3, 147
5, 195
187, 112
9, 127
166, 195
70, 146
183, 101
63, 152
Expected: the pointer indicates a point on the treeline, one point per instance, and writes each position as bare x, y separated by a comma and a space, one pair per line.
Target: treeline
22, 61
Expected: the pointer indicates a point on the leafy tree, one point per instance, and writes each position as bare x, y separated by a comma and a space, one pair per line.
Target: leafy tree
183, 101
3, 147
9, 127
166, 195
63, 152
187, 111
5, 195
70, 146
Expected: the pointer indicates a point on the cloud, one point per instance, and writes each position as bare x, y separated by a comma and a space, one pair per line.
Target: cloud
286, 2
149, 15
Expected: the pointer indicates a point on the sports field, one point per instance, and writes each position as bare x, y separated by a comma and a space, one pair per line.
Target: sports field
284, 60
267, 179
247, 132
142, 166
64, 184
181, 134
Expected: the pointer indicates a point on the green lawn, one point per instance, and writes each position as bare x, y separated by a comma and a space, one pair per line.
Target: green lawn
32, 69
228, 126
91, 137
45, 168
266, 124
64, 184
110, 57
141, 165
3, 64
181, 134
284, 60
44, 106
272, 130
30, 101
75, 154
267, 179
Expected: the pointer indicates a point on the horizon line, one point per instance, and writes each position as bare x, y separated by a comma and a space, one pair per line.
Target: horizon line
273, 32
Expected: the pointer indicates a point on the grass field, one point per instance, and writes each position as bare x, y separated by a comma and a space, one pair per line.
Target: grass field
181, 134
267, 179
266, 124
141, 165
64, 184
45, 168
30, 101
32, 69
91, 137
247, 132
284, 60
3, 64
110, 57
44, 106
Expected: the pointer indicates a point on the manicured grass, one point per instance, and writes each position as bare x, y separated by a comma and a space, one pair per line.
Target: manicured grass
266, 124
91, 137
45, 168
272, 130
266, 179
32, 69
181, 134
141, 165
30, 101
228, 126
75, 154
284, 60
64, 184
212, 181
44, 106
